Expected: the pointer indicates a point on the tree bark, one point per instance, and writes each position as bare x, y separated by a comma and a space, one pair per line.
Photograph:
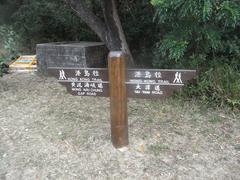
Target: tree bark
89, 18
116, 37
110, 31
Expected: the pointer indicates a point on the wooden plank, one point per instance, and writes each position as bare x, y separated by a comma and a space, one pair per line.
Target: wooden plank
83, 81
79, 74
119, 83
156, 83
140, 83
118, 99
163, 76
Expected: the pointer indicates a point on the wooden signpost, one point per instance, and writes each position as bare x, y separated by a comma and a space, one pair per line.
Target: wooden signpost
120, 83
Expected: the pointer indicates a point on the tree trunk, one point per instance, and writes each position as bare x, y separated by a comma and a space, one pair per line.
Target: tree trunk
115, 35
110, 31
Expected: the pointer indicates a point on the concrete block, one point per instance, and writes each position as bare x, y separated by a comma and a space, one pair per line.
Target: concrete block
71, 54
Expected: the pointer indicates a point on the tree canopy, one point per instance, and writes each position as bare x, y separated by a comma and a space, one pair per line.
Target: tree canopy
203, 34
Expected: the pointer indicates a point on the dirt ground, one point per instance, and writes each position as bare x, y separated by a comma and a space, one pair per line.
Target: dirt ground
46, 133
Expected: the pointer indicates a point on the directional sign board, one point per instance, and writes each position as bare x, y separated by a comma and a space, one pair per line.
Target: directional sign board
156, 83
140, 83
120, 83
83, 81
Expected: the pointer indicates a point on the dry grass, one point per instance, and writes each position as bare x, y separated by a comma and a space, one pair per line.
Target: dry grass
46, 133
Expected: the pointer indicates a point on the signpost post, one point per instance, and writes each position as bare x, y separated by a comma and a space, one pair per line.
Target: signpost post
118, 99
120, 83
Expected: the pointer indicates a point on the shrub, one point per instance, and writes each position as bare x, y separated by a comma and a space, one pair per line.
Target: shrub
10, 41
202, 35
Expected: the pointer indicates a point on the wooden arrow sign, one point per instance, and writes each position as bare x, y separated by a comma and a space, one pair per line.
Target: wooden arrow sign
83, 81
156, 83
140, 83
119, 84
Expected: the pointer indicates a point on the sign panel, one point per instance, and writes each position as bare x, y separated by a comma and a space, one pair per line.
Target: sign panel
162, 76
83, 81
140, 83
156, 83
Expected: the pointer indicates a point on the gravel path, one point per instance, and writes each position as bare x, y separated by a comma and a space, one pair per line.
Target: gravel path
46, 133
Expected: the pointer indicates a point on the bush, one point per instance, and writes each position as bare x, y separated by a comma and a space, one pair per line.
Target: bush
39, 21
202, 35
10, 41
8, 46
219, 85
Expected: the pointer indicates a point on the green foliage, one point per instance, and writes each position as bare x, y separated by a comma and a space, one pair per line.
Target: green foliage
201, 25
202, 34
40, 21
139, 28
9, 42
7, 8
8, 45
175, 48
229, 13
219, 84
135, 17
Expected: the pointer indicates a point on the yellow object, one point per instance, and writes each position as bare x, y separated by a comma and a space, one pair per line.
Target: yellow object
24, 63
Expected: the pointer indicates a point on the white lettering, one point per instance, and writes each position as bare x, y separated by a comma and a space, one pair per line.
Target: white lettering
137, 92
93, 85
158, 74
157, 88
147, 87
146, 92
79, 85
73, 84
137, 74
86, 84
96, 73
97, 79
86, 73
91, 94
72, 79
157, 92
100, 85
81, 93
84, 79
138, 87
148, 74
77, 73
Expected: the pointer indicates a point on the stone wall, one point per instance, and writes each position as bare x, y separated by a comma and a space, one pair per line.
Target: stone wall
71, 54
